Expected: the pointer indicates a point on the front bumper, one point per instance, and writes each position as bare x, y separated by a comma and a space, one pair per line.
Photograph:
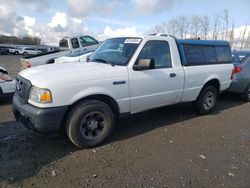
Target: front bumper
43, 120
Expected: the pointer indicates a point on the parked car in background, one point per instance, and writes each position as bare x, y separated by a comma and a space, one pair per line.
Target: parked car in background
124, 76
29, 51
241, 74
14, 50
238, 56
78, 56
4, 50
67, 45
7, 84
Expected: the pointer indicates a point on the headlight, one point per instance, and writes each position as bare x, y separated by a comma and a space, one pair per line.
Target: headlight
40, 95
4, 77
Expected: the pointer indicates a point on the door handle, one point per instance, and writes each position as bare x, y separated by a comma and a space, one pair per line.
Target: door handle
172, 75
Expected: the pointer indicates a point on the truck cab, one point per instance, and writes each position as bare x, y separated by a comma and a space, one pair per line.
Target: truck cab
125, 75
77, 42
67, 46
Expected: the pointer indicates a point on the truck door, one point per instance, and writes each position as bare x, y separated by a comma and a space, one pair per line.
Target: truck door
156, 87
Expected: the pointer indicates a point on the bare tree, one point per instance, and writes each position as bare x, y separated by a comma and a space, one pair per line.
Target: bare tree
205, 26
172, 27
231, 35
247, 43
243, 37
158, 29
182, 26
195, 26
237, 41
226, 21
216, 26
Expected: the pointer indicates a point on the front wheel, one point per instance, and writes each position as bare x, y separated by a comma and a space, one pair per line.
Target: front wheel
246, 95
90, 123
206, 101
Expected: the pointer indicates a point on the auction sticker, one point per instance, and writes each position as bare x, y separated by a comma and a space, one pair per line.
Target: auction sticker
132, 41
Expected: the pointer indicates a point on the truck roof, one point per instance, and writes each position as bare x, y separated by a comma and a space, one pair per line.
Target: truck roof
182, 41
203, 42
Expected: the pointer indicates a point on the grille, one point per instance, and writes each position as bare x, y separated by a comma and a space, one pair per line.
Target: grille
23, 88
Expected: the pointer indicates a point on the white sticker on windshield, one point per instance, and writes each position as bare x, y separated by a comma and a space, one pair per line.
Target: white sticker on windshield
132, 41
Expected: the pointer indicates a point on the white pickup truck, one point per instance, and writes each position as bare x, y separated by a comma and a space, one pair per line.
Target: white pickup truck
67, 45
124, 76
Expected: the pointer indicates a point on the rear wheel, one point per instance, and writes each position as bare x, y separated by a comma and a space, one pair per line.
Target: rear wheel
206, 101
90, 123
246, 95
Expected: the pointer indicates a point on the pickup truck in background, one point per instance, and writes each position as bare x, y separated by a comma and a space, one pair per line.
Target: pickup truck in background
78, 56
67, 45
124, 76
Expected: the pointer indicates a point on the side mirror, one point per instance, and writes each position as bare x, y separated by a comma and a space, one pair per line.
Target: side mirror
145, 64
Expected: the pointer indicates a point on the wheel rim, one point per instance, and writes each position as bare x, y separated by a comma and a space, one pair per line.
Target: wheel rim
93, 125
209, 101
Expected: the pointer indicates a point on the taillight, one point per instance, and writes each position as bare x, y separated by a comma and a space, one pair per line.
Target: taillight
236, 70
28, 65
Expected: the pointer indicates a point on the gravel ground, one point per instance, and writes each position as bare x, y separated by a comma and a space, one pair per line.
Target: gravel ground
166, 147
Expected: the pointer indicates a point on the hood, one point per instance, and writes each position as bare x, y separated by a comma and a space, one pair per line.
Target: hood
66, 59
43, 76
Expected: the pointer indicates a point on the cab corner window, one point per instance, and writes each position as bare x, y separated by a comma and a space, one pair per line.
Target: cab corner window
159, 51
63, 43
75, 43
87, 41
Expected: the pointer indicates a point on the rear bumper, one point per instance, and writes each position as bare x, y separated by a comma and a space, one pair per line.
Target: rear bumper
239, 86
47, 121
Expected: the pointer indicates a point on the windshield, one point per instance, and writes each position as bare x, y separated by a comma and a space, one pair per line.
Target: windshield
116, 51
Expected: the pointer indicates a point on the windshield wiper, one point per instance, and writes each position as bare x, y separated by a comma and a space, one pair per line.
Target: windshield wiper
102, 61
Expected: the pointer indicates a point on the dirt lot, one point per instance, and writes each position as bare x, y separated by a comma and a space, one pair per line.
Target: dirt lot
167, 147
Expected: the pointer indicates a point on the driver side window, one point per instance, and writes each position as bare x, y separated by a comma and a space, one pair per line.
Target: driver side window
159, 51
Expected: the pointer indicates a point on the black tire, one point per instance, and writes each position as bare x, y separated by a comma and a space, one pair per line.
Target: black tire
16, 52
90, 123
246, 95
51, 61
25, 53
206, 100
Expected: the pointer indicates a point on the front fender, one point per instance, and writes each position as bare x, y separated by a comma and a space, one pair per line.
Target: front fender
91, 91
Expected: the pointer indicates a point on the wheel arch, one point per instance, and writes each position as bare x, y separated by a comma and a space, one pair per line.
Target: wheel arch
111, 102
212, 82
50, 61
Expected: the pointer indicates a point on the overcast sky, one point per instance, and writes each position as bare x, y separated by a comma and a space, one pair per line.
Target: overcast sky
52, 19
